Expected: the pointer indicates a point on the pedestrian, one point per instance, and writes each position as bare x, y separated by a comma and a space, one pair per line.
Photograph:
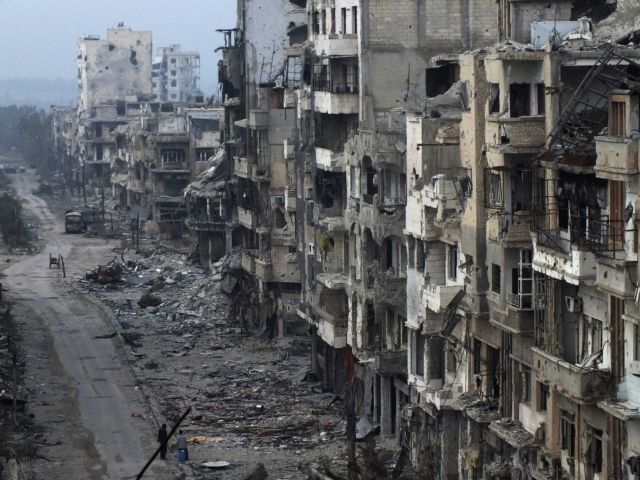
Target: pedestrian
183, 453
162, 438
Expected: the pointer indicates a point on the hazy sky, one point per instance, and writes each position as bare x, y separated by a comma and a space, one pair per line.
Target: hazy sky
38, 37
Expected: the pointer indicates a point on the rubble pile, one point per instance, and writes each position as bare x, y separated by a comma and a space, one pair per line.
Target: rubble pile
252, 401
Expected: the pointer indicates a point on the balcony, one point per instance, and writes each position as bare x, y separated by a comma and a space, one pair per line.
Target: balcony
440, 191
166, 137
334, 45
581, 384
330, 160
575, 267
174, 169
391, 289
332, 327
247, 167
516, 135
263, 270
617, 157
391, 362
248, 261
336, 103
510, 230
515, 316
439, 296
258, 119
615, 278
442, 397
205, 224
330, 219
334, 281
247, 218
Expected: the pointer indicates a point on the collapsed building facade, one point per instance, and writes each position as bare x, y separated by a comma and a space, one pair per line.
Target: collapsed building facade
423, 193
258, 88
128, 143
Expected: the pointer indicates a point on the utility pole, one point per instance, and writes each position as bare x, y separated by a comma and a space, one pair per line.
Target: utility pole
350, 412
175, 427
14, 363
84, 184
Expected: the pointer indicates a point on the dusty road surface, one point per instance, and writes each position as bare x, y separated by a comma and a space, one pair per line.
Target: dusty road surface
92, 419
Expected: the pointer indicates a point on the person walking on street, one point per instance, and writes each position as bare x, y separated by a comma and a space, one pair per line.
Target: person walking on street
183, 453
162, 438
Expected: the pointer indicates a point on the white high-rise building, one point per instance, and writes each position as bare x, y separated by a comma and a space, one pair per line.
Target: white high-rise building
175, 75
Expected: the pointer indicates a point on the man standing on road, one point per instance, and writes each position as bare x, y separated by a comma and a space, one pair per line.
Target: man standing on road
162, 438
183, 453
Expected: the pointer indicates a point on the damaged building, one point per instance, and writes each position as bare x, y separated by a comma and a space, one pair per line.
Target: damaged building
175, 75
442, 195
260, 138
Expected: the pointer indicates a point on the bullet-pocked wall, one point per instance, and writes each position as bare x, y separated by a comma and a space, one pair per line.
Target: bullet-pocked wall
114, 68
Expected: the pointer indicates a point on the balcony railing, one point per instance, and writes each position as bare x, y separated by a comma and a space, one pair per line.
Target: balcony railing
520, 301
323, 84
204, 223
561, 227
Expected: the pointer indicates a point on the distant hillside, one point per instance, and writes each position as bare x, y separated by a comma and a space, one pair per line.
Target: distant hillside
40, 92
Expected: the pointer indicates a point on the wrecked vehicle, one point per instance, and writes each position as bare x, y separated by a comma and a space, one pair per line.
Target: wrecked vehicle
77, 220
103, 274
73, 222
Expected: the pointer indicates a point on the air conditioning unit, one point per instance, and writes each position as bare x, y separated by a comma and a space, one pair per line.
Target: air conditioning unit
574, 304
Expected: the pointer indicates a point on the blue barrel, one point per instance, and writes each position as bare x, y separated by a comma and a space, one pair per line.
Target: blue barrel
183, 455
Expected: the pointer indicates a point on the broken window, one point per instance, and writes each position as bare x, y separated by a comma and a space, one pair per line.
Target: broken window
452, 359
494, 194
593, 450
520, 100
354, 20
99, 154
591, 342
394, 188
477, 356
420, 255
543, 396
98, 130
370, 180
541, 98
526, 385
567, 432
493, 372
417, 358
452, 262
324, 21
315, 19
172, 157
496, 276
411, 249
173, 83
440, 79
343, 21
618, 119
494, 98
373, 328
333, 20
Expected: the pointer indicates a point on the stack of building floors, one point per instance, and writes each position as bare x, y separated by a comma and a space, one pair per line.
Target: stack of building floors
445, 193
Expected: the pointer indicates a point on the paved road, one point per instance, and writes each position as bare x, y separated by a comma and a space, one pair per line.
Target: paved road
93, 418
